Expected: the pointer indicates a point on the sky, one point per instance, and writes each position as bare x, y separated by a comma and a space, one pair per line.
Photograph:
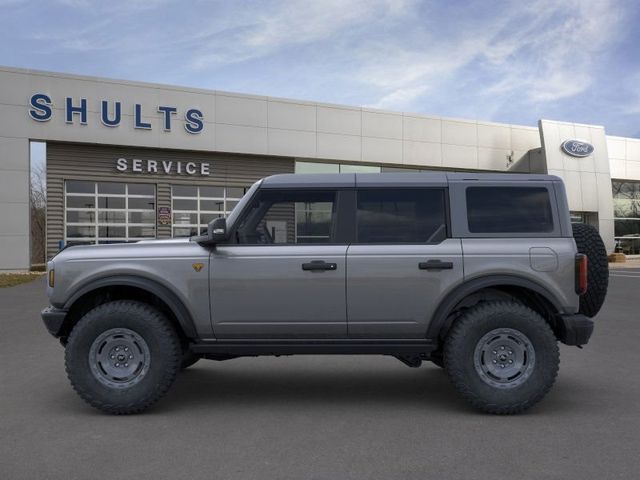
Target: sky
501, 61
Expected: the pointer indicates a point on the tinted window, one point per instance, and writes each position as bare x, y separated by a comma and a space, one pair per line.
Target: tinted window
509, 210
401, 216
110, 187
289, 217
142, 203
142, 189
75, 186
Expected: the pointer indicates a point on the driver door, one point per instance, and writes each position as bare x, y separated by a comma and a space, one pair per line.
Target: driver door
283, 274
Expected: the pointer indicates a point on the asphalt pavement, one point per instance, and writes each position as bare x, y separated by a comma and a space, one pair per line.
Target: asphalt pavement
322, 417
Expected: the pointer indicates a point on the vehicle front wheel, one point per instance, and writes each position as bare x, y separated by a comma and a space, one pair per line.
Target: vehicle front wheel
122, 356
188, 359
502, 357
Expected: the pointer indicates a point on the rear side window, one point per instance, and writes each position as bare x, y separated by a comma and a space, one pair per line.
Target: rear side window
401, 215
509, 210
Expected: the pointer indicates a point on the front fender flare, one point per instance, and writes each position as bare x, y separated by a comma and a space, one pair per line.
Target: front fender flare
177, 307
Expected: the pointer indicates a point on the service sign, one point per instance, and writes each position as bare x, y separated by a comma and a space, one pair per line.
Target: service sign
577, 148
162, 167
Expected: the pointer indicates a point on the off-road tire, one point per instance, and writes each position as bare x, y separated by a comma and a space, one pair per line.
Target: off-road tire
437, 358
164, 350
590, 243
469, 330
188, 359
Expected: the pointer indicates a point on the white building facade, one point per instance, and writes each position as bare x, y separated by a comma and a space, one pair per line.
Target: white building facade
129, 160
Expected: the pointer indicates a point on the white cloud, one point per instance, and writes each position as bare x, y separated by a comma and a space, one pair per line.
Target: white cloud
455, 58
251, 35
404, 75
551, 57
541, 51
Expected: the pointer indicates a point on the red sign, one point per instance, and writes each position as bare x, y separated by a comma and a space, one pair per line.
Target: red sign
164, 216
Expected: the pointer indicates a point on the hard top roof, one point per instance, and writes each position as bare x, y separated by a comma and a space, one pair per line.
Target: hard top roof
399, 179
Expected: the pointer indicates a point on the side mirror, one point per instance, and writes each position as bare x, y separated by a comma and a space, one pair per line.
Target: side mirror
217, 230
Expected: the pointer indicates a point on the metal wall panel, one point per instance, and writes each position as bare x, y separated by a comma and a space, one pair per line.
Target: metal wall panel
75, 161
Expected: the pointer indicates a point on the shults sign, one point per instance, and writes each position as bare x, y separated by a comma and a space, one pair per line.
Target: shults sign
41, 109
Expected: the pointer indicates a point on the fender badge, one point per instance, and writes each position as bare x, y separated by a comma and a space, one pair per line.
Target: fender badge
197, 266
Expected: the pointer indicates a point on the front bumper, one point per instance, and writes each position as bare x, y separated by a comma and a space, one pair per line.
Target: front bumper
53, 319
574, 329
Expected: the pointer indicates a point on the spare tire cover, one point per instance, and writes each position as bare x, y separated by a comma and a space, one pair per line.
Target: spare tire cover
590, 243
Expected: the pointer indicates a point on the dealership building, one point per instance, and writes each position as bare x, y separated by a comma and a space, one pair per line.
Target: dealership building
127, 161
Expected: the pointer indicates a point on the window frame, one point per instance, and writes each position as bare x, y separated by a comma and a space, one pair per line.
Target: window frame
344, 228
446, 205
617, 186
459, 214
199, 212
96, 224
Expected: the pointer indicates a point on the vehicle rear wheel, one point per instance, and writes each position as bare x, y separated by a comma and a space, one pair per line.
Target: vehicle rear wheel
502, 357
437, 358
590, 243
122, 356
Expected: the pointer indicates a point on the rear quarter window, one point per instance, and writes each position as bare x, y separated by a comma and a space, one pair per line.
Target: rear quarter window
509, 210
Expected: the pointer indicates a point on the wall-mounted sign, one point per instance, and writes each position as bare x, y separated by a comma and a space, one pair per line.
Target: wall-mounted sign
162, 167
577, 148
41, 109
164, 216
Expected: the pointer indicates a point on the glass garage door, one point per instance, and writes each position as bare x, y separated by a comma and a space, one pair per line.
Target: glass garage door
109, 212
626, 212
195, 206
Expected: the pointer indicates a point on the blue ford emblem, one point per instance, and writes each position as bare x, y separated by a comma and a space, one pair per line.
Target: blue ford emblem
576, 148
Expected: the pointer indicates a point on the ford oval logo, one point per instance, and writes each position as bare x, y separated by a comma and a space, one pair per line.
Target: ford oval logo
577, 148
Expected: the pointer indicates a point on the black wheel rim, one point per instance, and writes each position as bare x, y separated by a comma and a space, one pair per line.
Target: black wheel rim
504, 358
119, 358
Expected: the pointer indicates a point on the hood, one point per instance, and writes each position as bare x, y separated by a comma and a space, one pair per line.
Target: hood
144, 248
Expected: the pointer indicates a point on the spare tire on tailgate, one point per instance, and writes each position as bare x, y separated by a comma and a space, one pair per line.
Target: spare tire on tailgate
590, 243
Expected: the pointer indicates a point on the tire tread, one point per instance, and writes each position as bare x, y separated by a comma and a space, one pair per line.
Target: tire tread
590, 243
166, 334
459, 334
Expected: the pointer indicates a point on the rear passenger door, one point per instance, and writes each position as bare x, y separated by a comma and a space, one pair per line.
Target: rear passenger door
401, 262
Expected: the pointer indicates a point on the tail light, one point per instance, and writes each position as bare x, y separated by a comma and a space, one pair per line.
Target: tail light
581, 274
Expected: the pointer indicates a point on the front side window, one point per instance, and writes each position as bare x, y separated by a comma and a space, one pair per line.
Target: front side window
498, 209
289, 217
402, 215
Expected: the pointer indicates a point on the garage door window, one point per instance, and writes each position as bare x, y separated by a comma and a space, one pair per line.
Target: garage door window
109, 212
195, 206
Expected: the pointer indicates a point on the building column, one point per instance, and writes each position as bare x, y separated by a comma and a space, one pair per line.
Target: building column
14, 204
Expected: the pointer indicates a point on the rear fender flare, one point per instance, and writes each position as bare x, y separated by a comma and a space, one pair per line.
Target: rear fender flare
439, 324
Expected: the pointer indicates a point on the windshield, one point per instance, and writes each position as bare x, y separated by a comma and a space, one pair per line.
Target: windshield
233, 216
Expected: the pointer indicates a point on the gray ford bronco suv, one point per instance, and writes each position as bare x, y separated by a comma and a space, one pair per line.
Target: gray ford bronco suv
481, 274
